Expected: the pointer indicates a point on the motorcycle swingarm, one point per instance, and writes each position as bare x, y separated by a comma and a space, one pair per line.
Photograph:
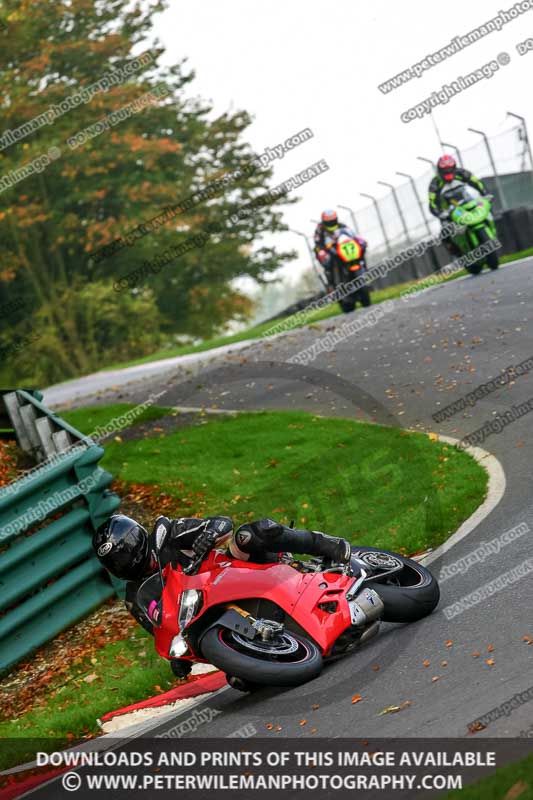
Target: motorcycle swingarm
234, 621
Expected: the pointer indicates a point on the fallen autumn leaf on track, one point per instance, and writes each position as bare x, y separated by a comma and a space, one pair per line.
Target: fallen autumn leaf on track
395, 709
474, 727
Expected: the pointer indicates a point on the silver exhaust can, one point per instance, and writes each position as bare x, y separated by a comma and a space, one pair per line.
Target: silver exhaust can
366, 607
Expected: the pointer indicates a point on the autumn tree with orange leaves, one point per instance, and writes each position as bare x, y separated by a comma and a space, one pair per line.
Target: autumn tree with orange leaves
60, 312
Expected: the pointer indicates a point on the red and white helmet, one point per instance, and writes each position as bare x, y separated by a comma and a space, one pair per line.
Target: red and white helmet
447, 167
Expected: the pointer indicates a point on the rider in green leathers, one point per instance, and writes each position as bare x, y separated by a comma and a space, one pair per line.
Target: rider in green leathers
447, 172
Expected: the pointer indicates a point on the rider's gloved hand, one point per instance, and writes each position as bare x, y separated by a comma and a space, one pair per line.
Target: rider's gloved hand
204, 543
322, 256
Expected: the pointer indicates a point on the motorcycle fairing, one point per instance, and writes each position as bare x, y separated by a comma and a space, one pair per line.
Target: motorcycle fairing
299, 594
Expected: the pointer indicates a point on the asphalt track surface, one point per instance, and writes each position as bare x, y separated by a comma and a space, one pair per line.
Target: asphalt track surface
424, 354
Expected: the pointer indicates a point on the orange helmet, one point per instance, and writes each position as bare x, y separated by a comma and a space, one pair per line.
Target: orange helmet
329, 219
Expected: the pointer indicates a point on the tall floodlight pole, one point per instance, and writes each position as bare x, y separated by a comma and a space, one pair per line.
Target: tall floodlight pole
380, 219
399, 209
418, 198
499, 187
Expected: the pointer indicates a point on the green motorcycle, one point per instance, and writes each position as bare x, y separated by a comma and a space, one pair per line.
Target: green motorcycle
473, 214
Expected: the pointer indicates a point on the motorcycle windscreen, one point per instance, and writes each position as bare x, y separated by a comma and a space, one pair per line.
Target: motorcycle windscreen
148, 592
349, 249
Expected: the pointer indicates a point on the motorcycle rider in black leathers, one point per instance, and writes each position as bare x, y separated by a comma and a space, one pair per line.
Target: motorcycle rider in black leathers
447, 172
126, 549
328, 227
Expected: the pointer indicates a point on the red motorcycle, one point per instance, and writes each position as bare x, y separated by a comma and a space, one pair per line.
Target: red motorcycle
276, 624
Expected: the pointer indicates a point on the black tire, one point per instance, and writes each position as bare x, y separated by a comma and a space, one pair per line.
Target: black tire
493, 261
347, 304
410, 595
474, 269
219, 647
364, 296
243, 686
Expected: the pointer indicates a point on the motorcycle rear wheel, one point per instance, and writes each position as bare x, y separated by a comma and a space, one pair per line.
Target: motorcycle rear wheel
347, 304
291, 661
408, 595
364, 297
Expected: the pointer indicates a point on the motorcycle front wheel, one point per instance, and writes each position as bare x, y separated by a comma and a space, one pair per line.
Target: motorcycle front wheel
286, 660
491, 260
347, 304
409, 594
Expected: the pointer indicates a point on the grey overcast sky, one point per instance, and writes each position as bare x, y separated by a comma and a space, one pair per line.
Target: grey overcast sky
305, 63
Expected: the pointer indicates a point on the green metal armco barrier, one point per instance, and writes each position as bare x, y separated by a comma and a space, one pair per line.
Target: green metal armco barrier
49, 575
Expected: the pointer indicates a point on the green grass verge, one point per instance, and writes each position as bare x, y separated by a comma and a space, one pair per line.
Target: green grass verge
126, 671
517, 256
292, 323
500, 785
371, 484
87, 420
